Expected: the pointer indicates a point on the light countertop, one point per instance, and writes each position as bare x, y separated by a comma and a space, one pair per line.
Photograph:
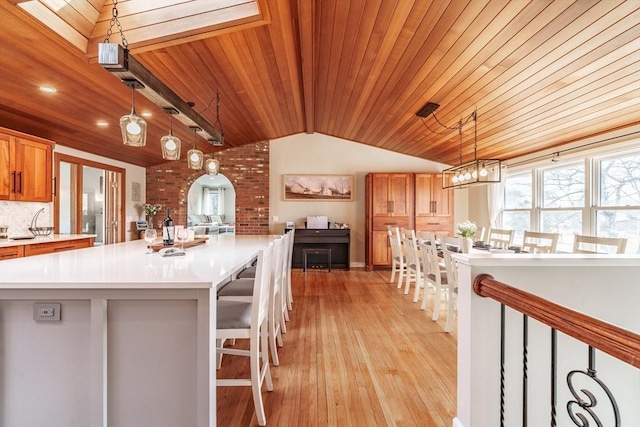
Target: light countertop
47, 239
126, 265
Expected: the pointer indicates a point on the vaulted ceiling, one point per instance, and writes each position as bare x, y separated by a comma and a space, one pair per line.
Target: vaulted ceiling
540, 73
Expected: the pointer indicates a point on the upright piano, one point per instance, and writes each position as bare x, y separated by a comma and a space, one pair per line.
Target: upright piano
336, 239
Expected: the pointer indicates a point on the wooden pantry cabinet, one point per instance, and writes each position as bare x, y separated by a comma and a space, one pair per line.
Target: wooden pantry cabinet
406, 200
433, 204
25, 167
389, 201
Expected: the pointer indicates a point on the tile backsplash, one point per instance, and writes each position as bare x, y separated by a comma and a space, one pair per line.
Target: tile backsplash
18, 216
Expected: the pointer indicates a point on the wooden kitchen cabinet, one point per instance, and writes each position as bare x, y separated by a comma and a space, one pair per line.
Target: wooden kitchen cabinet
30, 248
389, 200
405, 200
433, 204
11, 252
26, 167
59, 246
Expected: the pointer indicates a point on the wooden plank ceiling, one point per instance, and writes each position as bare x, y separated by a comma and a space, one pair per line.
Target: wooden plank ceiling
539, 73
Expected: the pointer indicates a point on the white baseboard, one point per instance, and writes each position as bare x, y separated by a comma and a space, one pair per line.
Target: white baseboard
457, 423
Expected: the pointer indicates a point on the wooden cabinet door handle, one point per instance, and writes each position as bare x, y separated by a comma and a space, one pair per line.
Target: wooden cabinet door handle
13, 176
9, 255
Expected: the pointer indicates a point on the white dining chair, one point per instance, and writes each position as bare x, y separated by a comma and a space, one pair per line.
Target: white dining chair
435, 277
248, 320
500, 238
413, 272
398, 264
451, 265
539, 243
480, 234
598, 245
426, 236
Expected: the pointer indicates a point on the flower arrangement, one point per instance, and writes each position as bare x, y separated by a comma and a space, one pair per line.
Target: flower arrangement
466, 229
152, 209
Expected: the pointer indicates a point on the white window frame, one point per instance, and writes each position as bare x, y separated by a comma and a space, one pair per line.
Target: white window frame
589, 211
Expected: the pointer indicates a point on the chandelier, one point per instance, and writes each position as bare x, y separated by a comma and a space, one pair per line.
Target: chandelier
476, 171
120, 62
212, 166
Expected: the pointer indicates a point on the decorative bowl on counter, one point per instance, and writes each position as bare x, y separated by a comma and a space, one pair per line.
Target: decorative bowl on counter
41, 231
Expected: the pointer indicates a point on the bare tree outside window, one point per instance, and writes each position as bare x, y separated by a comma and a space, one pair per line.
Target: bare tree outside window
613, 192
620, 189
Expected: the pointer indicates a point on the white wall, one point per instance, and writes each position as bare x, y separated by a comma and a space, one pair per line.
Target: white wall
322, 154
133, 209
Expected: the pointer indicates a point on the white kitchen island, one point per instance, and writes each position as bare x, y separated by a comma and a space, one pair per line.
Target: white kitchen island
134, 344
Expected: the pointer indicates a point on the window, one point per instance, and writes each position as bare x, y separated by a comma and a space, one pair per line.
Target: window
563, 199
597, 195
518, 204
212, 202
617, 213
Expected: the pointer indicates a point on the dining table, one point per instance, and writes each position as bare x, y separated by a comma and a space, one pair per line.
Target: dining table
134, 339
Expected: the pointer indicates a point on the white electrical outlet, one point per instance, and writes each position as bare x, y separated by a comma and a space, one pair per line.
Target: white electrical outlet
46, 311
276, 218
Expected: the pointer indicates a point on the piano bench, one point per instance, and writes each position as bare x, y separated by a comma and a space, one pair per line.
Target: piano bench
316, 251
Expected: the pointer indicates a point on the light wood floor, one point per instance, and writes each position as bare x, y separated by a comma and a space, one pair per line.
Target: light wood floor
357, 353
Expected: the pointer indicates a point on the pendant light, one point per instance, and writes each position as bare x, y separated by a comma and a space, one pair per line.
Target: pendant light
212, 166
170, 144
133, 127
194, 156
477, 171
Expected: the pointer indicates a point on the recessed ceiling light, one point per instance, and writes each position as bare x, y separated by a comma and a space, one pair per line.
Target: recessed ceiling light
48, 89
102, 123
146, 114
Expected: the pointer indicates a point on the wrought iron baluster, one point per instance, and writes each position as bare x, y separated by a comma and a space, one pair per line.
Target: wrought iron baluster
525, 366
580, 419
554, 375
502, 342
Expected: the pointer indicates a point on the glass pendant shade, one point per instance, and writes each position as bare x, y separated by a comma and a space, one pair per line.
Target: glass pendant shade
133, 127
195, 158
134, 130
170, 147
170, 144
212, 166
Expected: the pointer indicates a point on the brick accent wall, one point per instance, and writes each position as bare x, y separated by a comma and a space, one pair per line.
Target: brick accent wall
247, 167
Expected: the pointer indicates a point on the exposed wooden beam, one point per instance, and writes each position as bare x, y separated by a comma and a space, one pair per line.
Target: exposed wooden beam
306, 31
119, 61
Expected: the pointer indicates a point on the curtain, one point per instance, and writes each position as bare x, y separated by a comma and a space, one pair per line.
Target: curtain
205, 201
495, 195
220, 202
